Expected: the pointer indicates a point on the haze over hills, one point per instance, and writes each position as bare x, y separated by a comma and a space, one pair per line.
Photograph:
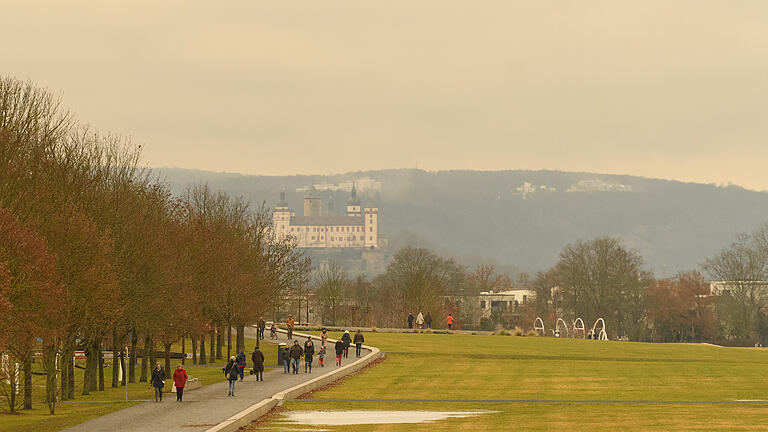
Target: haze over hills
519, 219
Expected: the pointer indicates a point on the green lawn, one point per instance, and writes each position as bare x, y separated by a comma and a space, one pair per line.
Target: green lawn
453, 367
68, 414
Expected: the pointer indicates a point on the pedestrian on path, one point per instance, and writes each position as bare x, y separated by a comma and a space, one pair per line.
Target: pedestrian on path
323, 336
296, 353
241, 363
231, 373
158, 381
410, 320
273, 332
420, 320
321, 356
449, 320
339, 351
428, 320
258, 364
359, 340
309, 351
289, 324
347, 340
261, 327
287, 359
179, 381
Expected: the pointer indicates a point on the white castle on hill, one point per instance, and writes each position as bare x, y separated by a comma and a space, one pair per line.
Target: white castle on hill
356, 229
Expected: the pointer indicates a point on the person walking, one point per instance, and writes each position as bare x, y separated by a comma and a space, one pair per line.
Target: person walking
296, 353
323, 336
289, 324
420, 320
359, 340
241, 363
321, 356
273, 332
158, 381
287, 359
309, 351
179, 381
347, 342
230, 370
428, 320
410, 320
261, 326
449, 320
257, 357
339, 351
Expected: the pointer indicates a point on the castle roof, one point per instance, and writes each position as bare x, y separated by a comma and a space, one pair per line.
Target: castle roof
333, 220
353, 201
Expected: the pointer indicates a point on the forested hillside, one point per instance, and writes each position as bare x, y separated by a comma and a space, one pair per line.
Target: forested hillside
492, 216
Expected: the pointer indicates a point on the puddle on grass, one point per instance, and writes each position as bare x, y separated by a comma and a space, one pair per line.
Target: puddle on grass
342, 418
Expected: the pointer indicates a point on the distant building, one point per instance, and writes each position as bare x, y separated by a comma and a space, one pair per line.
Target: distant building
527, 189
361, 185
503, 301
597, 185
717, 288
357, 228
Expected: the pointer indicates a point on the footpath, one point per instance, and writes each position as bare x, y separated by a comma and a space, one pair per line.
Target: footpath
209, 406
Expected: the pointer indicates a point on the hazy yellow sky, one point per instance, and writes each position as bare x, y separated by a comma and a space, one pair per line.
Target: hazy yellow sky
670, 89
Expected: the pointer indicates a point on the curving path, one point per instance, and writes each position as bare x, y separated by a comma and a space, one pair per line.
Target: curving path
207, 406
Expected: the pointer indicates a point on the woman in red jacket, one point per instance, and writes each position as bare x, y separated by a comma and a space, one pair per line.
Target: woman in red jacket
179, 380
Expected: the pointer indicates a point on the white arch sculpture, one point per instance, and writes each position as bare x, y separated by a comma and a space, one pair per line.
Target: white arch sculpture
538, 325
602, 335
578, 326
565, 326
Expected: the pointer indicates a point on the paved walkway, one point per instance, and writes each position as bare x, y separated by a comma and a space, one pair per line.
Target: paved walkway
208, 406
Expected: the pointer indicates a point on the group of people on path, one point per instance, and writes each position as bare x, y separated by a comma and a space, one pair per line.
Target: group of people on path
158, 381
294, 353
235, 368
421, 320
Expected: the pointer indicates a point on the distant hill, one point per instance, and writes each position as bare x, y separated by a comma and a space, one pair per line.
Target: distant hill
523, 219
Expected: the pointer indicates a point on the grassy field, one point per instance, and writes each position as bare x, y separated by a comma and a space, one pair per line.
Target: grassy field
474, 367
99, 403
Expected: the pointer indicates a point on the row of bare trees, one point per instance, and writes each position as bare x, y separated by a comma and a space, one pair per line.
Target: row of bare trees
96, 252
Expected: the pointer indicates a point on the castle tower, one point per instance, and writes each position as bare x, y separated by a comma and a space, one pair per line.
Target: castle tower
353, 204
281, 217
313, 203
371, 227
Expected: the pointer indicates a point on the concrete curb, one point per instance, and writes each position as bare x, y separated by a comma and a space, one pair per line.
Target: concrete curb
252, 413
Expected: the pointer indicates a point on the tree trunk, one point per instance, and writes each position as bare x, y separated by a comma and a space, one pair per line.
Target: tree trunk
194, 350
71, 375
28, 381
219, 340
49, 364
212, 357
167, 358
229, 339
101, 364
93, 378
152, 354
240, 337
183, 349
64, 367
202, 349
115, 360
132, 358
144, 360
87, 371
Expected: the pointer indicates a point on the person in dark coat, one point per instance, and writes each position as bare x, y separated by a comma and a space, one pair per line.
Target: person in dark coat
261, 327
231, 372
428, 320
347, 340
158, 381
296, 353
410, 320
309, 351
359, 340
287, 359
339, 351
179, 381
258, 364
241, 363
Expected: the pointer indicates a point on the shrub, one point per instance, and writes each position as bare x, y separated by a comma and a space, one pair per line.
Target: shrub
518, 331
532, 333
